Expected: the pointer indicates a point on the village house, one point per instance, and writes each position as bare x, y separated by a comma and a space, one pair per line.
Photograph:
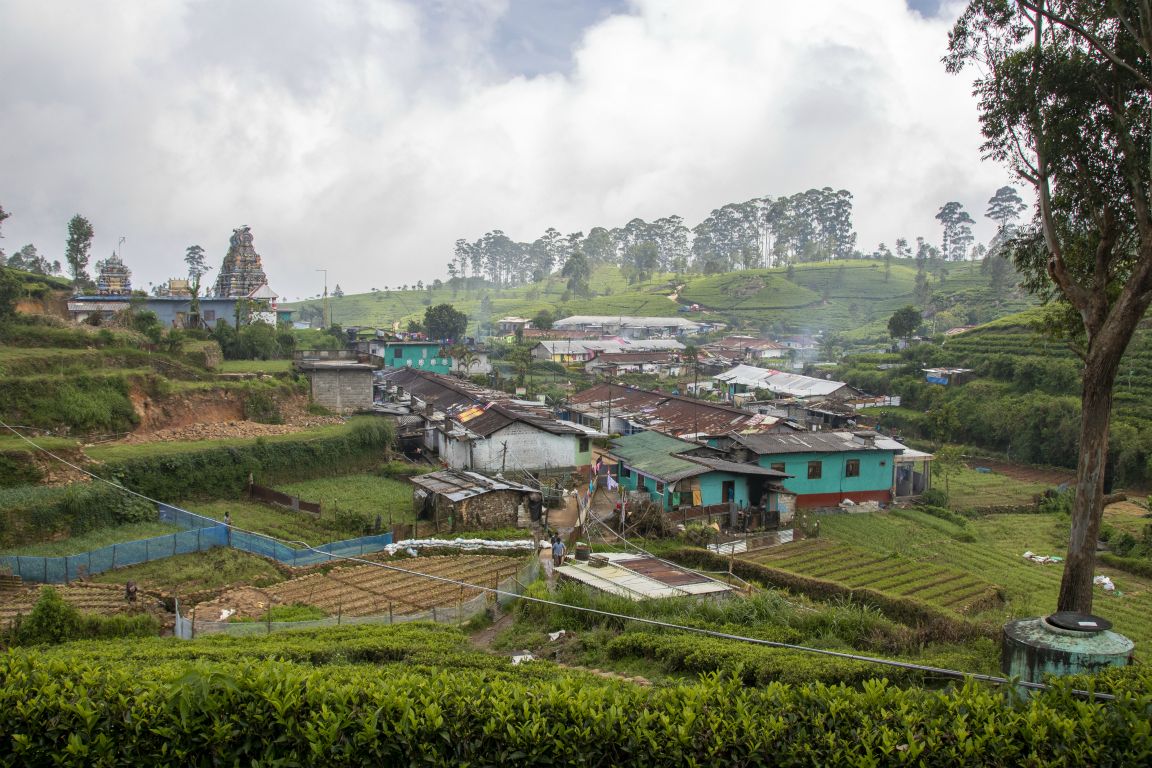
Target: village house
746, 349
673, 474
570, 351
339, 380
631, 327
460, 500
828, 468
661, 364
476, 428
510, 327
423, 355
743, 381
623, 410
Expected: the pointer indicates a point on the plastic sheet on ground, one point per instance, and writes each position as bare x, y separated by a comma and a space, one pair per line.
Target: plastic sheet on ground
1042, 558
1105, 582
465, 545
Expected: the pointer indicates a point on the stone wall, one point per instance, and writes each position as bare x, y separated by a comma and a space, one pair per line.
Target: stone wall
342, 391
488, 511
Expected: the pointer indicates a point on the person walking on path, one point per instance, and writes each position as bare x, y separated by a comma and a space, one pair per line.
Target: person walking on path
558, 550
228, 526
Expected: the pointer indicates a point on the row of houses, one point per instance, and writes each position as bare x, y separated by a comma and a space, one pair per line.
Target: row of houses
475, 428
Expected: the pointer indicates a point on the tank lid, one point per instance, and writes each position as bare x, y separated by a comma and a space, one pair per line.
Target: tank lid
1079, 622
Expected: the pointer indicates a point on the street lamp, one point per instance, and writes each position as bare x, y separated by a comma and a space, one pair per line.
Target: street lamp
324, 321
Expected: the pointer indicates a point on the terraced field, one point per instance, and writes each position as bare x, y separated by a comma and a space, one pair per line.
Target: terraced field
948, 588
102, 599
368, 590
905, 556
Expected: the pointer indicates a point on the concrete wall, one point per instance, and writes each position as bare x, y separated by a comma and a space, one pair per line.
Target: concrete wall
528, 448
342, 391
873, 484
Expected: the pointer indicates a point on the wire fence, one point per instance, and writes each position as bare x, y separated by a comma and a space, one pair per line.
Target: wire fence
190, 626
199, 535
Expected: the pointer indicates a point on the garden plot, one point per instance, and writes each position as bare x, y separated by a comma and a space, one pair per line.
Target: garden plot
368, 590
99, 599
893, 574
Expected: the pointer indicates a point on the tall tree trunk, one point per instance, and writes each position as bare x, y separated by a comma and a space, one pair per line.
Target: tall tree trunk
1088, 508
1105, 349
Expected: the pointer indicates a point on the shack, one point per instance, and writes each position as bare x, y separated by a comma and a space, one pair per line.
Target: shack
462, 500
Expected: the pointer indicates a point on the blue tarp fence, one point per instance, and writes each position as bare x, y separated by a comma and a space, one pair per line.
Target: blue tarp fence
200, 534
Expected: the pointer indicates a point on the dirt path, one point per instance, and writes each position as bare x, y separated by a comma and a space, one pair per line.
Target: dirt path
1025, 473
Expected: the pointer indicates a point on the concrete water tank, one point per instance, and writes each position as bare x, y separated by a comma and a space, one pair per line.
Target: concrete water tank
1065, 643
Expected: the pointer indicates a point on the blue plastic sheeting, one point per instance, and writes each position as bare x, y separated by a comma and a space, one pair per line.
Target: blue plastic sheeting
200, 534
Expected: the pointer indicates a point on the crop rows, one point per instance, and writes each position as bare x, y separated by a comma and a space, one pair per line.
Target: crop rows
946, 587
369, 589
102, 599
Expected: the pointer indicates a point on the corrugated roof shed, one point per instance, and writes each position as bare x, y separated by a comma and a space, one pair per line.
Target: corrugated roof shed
815, 442
654, 454
457, 485
662, 412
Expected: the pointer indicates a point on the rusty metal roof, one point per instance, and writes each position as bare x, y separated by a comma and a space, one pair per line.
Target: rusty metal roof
457, 485
670, 414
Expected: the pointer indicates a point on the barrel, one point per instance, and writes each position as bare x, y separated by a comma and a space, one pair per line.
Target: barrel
582, 552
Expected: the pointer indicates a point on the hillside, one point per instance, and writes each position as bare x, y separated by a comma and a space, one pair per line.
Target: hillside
853, 297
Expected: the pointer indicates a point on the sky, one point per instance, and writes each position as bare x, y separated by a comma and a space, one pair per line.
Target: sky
364, 137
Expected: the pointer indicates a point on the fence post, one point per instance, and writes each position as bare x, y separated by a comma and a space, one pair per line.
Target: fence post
434, 619
389, 611
113, 557
268, 617
339, 613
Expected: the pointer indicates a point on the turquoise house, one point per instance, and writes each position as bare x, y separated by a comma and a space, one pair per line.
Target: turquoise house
827, 468
420, 355
669, 470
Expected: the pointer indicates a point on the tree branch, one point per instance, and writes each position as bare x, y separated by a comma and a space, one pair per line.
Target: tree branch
1040, 10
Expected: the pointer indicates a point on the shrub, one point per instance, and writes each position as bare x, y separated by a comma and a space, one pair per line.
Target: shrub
52, 620
934, 497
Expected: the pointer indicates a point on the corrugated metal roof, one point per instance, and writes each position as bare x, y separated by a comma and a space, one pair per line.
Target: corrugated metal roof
633, 321
457, 485
812, 442
662, 412
780, 382
653, 454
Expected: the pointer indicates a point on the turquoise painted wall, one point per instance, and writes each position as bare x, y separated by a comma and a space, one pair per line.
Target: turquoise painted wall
875, 471
711, 488
422, 357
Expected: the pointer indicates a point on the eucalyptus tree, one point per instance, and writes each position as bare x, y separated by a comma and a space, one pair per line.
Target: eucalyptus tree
1065, 91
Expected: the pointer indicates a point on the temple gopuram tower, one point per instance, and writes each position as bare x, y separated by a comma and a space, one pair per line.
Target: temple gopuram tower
241, 272
113, 278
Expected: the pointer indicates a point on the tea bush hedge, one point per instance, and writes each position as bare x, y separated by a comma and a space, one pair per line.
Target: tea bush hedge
62, 708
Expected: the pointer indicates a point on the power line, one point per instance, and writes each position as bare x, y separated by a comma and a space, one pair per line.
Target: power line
941, 671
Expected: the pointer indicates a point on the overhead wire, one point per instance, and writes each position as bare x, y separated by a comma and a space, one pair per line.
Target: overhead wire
927, 669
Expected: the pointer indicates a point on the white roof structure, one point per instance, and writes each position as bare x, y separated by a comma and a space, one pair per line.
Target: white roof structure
581, 346
263, 292
631, 321
779, 382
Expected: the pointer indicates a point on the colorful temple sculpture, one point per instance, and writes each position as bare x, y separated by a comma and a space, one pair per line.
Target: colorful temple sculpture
241, 273
113, 278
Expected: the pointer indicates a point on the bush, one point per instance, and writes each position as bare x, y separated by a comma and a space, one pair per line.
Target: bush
30, 513
52, 620
933, 497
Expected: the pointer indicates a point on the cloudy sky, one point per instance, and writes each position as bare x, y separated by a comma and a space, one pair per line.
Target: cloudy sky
366, 136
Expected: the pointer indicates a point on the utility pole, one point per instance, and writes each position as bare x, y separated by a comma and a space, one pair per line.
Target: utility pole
326, 319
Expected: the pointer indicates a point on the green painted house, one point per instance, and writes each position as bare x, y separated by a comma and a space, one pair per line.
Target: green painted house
672, 473
420, 355
827, 468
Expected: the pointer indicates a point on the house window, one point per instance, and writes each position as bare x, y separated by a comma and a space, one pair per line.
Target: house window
209, 315
815, 470
659, 487
778, 466
583, 444
625, 471
640, 486
852, 468
397, 352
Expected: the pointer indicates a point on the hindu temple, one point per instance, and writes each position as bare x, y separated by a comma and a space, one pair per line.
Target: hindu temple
241, 273
113, 278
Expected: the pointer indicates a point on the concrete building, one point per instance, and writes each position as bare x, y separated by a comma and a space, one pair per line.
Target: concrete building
339, 380
673, 474
827, 468
421, 355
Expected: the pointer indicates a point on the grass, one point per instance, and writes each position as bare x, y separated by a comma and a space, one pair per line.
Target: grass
367, 495
10, 443
968, 488
85, 542
283, 524
294, 612
183, 574
255, 366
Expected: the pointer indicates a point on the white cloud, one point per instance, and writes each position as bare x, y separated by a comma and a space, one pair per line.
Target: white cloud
367, 137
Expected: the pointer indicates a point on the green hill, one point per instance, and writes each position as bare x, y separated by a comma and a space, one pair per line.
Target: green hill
853, 297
